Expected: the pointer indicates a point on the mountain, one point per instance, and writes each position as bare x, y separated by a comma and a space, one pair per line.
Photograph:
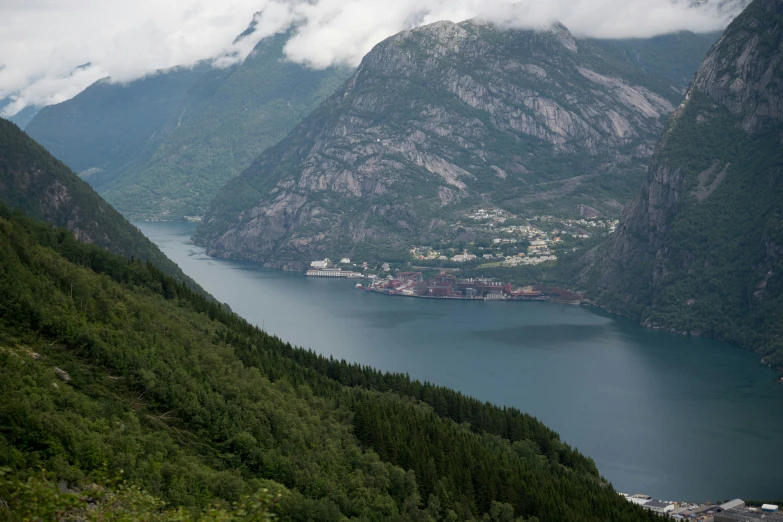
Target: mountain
36, 183
700, 249
435, 120
161, 147
23, 117
670, 57
101, 130
121, 369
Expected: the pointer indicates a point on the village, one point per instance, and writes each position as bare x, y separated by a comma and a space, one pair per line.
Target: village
524, 242
496, 239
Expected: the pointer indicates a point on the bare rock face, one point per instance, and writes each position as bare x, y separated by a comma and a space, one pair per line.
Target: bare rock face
745, 77
436, 119
699, 249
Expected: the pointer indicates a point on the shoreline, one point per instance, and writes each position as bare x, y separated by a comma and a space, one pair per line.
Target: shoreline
587, 303
657, 328
445, 298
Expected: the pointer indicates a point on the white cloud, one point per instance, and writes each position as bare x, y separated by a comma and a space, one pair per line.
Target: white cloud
43, 42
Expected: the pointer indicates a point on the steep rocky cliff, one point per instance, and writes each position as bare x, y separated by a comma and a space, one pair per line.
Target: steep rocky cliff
700, 250
42, 187
437, 119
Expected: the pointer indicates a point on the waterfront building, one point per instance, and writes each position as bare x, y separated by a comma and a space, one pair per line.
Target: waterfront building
332, 272
732, 504
659, 506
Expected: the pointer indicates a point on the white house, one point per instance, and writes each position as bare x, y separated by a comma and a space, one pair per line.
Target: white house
320, 264
345, 261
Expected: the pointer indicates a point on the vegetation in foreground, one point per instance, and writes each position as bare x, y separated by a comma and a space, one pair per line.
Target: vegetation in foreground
108, 365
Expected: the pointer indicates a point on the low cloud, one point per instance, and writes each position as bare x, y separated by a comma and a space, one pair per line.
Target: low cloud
50, 50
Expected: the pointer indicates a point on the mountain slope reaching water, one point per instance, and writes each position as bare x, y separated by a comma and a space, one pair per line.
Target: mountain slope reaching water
700, 250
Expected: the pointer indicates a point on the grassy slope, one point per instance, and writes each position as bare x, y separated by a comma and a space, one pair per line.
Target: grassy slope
161, 146
109, 125
671, 58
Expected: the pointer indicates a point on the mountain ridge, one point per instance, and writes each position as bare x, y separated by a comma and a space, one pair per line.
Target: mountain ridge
41, 186
434, 119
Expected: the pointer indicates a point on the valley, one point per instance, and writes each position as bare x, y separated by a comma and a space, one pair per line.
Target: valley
652, 408
329, 261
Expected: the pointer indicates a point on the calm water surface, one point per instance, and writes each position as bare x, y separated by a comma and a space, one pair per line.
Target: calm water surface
676, 418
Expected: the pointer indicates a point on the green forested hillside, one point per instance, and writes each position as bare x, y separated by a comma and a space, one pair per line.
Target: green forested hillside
34, 181
199, 408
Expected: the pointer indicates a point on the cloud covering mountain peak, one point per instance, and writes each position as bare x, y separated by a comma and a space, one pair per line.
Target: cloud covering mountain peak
44, 43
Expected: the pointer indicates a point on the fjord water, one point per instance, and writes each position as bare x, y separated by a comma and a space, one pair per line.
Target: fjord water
673, 417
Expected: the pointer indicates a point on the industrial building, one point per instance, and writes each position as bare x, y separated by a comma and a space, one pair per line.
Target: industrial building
448, 286
736, 511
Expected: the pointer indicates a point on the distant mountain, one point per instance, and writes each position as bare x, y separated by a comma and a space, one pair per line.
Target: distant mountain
700, 250
23, 117
446, 116
162, 146
108, 126
42, 187
671, 57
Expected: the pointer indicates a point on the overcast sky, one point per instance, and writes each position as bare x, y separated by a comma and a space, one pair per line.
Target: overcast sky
50, 50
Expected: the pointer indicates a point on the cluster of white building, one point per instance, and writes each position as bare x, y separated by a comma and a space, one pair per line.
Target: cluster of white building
526, 260
327, 263
495, 214
530, 231
325, 268
610, 224
731, 511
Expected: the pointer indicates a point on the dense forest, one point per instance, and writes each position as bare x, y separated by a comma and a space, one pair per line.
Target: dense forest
110, 368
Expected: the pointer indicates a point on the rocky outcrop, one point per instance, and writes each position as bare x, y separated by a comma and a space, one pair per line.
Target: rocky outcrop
699, 249
434, 120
